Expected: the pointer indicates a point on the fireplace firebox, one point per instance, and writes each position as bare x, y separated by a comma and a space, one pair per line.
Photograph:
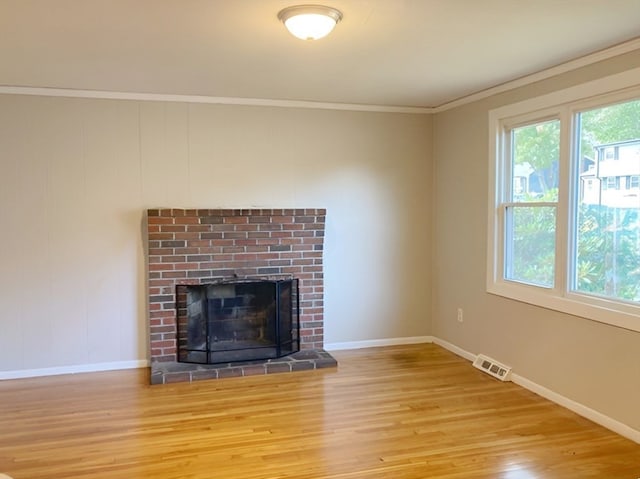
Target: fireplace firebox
239, 320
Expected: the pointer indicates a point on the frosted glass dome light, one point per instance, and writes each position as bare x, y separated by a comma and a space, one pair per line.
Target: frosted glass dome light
310, 22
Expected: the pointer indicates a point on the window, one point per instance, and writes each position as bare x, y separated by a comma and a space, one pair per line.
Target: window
606, 254
609, 153
530, 217
611, 183
570, 239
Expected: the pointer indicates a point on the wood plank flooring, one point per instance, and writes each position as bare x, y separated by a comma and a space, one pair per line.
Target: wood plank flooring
406, 412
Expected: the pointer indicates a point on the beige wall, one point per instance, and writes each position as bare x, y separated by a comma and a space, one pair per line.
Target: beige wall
76, 175
589, 362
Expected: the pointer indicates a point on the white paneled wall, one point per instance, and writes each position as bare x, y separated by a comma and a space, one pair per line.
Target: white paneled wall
77, 174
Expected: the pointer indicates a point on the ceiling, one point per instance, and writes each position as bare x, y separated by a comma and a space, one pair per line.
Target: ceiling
417, 53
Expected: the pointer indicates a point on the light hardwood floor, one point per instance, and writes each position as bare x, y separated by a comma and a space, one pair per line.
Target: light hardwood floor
406, 412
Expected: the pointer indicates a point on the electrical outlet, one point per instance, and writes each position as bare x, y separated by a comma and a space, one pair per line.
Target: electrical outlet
460, 315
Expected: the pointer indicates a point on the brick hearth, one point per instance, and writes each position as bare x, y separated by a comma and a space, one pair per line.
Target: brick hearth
198, 246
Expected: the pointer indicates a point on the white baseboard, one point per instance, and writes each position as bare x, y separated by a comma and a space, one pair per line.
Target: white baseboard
455, 349
580, 409
80, 368
373, 343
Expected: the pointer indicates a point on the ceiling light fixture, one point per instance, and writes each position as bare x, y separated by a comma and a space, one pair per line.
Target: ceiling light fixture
310, 22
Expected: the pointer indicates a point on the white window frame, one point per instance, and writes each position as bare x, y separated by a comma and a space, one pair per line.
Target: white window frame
564, 105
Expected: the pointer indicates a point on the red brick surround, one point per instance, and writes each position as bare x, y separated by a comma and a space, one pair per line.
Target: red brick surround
197, 246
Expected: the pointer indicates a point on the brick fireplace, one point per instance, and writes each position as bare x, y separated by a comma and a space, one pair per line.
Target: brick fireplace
203, 246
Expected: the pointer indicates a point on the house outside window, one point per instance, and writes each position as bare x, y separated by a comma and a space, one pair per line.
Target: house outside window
570, 240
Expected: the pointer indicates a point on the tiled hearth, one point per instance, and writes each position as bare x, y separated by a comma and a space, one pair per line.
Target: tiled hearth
200, 246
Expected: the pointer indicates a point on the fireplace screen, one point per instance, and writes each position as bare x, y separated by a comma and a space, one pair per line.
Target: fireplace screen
237, 321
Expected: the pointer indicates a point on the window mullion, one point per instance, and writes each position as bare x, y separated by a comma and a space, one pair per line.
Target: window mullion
565, 192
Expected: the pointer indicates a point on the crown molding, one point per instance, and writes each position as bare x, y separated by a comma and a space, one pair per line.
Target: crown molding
215, 100
583, 61
616, 50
